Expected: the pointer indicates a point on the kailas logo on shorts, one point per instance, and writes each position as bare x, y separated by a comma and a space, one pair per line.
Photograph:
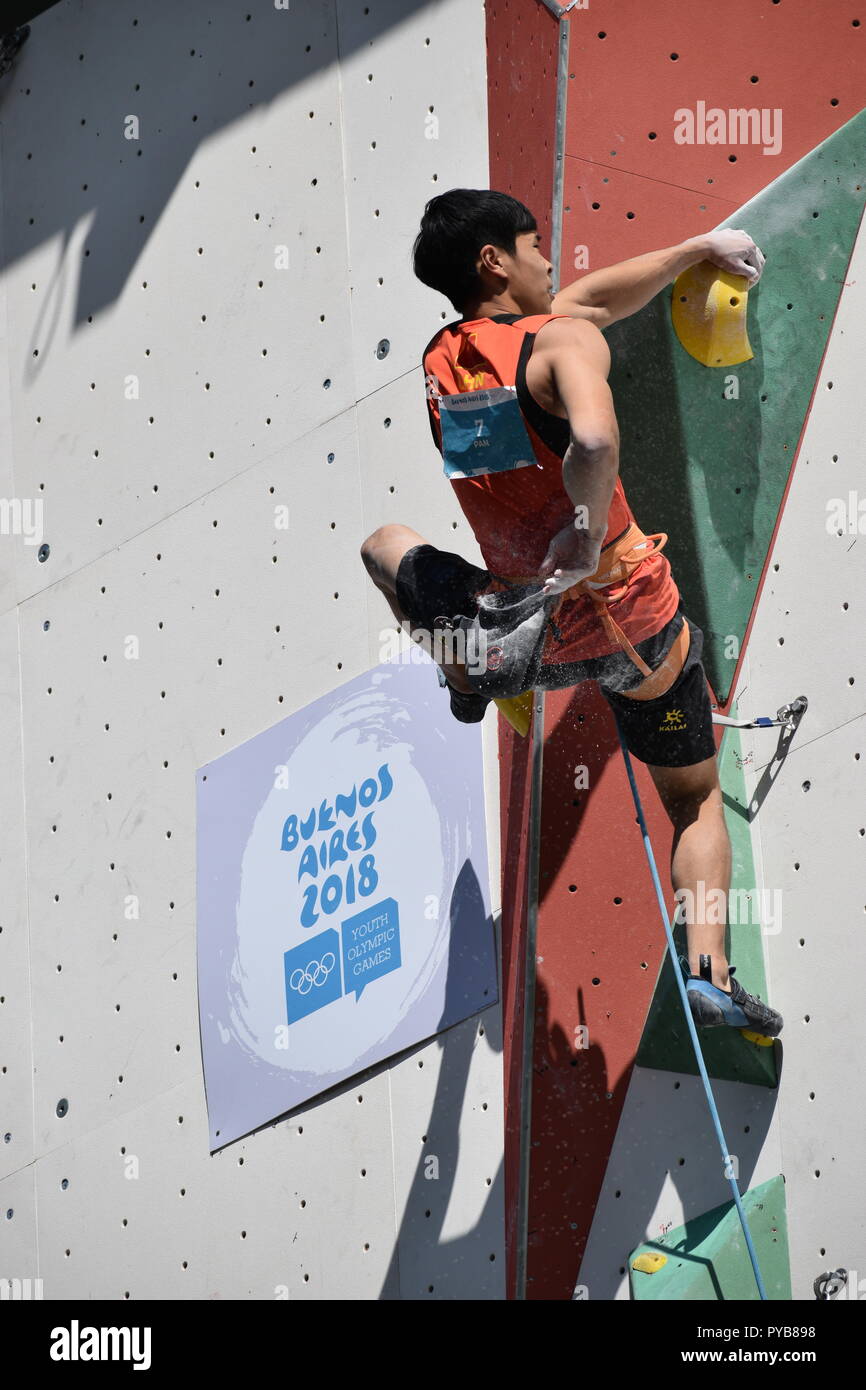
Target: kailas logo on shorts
673, 722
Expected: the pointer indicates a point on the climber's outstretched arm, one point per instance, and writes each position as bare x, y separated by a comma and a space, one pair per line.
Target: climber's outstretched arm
605, 296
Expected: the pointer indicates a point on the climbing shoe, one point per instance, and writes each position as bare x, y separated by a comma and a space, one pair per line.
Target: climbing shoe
712, 1006
468, 707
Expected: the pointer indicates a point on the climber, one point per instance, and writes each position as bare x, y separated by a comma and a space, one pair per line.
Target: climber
532, 453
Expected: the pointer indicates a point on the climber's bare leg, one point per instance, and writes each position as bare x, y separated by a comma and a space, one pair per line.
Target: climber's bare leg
701, 852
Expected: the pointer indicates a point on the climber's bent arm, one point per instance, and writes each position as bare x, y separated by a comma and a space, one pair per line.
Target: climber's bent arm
578, 360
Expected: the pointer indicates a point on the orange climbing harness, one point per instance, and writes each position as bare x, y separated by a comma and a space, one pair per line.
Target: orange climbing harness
616, 566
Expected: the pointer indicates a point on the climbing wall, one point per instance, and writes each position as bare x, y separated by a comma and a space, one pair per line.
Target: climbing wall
207, 311
804, 817
624, 1154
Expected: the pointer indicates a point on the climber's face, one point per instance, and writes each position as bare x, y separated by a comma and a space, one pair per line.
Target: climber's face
526, 277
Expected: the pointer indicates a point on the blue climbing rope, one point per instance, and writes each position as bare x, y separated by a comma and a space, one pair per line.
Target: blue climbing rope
678, 974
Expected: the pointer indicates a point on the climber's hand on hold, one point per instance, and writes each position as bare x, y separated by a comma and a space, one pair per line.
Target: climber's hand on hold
734, 250
571, 556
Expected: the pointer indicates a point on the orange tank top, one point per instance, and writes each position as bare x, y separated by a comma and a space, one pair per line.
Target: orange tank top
502, 454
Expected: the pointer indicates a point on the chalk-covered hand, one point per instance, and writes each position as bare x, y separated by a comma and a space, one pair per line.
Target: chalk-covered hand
571, 556
733, 250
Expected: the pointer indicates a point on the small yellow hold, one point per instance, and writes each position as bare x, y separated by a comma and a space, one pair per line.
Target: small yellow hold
648, 1264
518, 711
759, 1038
708, 309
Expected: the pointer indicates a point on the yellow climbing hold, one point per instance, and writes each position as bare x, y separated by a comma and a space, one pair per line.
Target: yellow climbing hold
648, 1264
708, 308
518, 711
758, 1038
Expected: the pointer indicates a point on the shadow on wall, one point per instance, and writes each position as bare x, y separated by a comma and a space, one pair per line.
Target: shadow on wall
15, 15
185, 72
471, 1265
621, 1189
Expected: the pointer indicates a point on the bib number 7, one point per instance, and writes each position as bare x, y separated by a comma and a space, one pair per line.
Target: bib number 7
483, 432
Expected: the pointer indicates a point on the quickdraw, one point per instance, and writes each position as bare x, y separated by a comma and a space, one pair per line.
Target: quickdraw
787, 717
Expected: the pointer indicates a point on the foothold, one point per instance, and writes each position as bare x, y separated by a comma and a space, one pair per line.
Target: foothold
61, 1108
518, 711
758, 1038
648, 1264
383, 347
709, 309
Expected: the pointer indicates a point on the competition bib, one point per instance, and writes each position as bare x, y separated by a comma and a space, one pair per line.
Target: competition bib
483, 432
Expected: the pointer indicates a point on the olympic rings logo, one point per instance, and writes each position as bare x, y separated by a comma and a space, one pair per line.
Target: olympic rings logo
316, 973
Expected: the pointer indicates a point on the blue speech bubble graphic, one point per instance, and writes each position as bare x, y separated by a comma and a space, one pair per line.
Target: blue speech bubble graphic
371, 945
312, 975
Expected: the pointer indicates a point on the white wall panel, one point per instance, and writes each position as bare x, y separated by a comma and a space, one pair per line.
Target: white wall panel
182, 620
154, 258
18, 1243
16, 1070
415, 120
812, 822
145, 1215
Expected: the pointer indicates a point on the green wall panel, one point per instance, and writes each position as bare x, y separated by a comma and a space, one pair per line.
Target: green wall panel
710, 471
708, 1260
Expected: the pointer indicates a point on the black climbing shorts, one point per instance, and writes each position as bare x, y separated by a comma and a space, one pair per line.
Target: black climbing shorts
673, 730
